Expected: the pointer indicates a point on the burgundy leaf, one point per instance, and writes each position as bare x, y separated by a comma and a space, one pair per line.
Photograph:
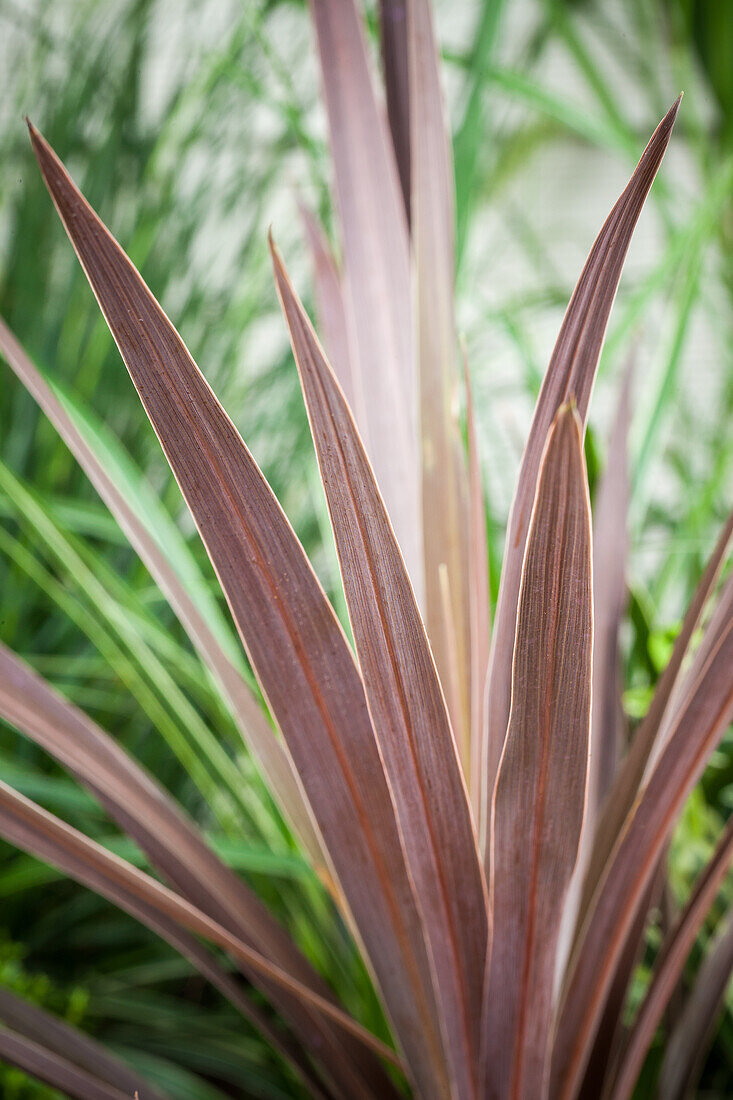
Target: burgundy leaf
688, 1042
294, 641
668, 969
38, 1037
697, 728
331, 309
140, 806
393, 40
268, 751
444, 477
571, 371
376, 261
626, 785
479, 602
38, 832
610, 555
55, 1070
405, 701
539, 800
608, 723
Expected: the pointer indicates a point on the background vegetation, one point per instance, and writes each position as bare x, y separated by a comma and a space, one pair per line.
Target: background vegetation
191, 127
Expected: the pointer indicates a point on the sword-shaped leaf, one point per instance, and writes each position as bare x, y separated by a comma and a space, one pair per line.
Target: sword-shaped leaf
479, 603
143, 810
330, 307
55, 1070
610, 555
720, 615
393, 42
607, 732
571, 371
697, 728
178, 589
444, 476
62, 1056
376, 261
294, 641
631, 773
405, 701
668, 969
45, 836
540, 792
687, 1045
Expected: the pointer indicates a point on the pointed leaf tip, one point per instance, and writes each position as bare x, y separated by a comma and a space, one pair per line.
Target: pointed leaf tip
535, 838
571, 370
405, 700
295, 643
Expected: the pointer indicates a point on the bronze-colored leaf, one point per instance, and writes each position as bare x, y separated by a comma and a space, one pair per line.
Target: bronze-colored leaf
571, 371
330, 307
405, 701
690, 1039
668, 969
539, 800
608, 733
479, 602
38, 832
376, 261
699, 724
53, 1069
268, 751
610, 556
173, 845
62, 1056
294, 641
626, 784
444, 476
393, 41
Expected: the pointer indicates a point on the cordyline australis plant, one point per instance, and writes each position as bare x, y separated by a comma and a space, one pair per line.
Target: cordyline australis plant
493, 837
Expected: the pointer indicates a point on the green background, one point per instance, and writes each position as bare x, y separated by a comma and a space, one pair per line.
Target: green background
192, 127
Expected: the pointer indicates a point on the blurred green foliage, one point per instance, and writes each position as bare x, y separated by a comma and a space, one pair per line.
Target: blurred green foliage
190, 127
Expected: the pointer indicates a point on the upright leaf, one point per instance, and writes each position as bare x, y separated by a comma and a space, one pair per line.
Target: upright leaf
608, 740
445, 534
405, 701
54, 1069
393, 41
621, 891
571, 371
688, 1042
294, 641
540, 791
330, 307
668, 969
720, 615
628, 781
376, 261
610, 555
479, 603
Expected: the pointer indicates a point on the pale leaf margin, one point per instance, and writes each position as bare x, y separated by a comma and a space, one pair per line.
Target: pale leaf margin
170, 840
405, 701
540, 793
571, 371
295, 643
258, 735
668, 970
